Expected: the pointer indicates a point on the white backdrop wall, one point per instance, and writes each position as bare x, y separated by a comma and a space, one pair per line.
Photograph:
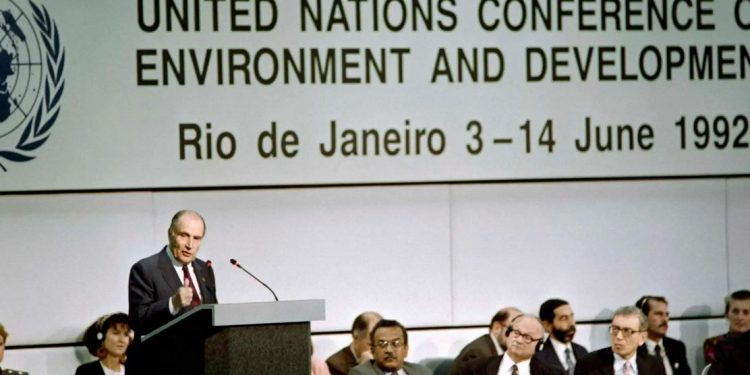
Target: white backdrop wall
427, 255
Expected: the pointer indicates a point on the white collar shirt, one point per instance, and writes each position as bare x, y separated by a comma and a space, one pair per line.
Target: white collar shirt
178, 269
619, 364
506, 365
560, 351
651, 346
497, 345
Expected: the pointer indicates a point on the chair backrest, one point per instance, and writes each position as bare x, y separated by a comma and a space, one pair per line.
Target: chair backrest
439, 366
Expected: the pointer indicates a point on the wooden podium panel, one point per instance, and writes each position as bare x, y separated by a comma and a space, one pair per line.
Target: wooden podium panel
263, 338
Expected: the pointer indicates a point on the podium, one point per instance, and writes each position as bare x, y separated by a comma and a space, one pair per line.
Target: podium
259, 338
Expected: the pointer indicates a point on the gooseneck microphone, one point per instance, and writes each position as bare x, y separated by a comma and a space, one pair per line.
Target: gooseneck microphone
236, 263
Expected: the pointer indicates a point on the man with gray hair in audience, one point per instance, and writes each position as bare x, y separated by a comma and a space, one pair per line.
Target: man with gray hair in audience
627, 332
524, 338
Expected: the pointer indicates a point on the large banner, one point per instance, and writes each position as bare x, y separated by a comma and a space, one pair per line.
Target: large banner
190, 93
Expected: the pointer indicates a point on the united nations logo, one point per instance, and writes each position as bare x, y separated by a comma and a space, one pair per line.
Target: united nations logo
31, 80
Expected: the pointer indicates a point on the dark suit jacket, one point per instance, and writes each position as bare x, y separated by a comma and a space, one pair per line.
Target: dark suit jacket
153, 281
677, 356
601, 362
732, 356
370, 368
481, 347
491, 365
91, 368
548, 355
341, 362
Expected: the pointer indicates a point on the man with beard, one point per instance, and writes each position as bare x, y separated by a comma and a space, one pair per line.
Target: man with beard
559, 350
490, 344
670, 351
390, 346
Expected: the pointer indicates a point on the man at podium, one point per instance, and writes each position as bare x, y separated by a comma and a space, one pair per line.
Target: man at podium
174, 280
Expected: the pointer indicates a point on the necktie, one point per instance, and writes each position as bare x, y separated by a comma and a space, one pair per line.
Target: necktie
626, 369
569, 362
663, 357
514, 370
196, 299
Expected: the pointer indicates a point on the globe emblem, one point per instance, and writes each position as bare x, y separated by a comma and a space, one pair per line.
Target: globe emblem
21, 70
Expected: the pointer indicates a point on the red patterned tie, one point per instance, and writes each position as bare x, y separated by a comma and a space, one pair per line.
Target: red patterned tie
196, 299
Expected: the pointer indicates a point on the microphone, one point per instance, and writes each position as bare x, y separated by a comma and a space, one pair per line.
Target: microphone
236, 263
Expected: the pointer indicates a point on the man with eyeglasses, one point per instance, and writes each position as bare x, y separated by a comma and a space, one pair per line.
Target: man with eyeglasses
488, 345
390, 346
670, 351
559, 350
523, 338
627, 332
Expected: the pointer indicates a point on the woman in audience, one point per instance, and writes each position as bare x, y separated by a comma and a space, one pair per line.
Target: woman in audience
737, 311
107, 339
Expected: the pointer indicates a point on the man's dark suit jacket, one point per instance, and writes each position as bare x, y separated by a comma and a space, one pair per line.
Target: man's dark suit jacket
153, 281
732, 356
491, 365
481, 347
91, 368
549, 356
676, 353
601, 362
341, 362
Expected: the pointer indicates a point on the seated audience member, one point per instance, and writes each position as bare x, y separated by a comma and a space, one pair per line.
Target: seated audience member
627, 332
490, 344
107, 339
390, 346
737, 311
671, 352
559, 350
523, 339
3, 340
358, 352
732, 356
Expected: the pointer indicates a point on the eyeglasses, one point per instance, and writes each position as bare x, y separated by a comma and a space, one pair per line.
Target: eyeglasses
383, 344
524, 337
626, 332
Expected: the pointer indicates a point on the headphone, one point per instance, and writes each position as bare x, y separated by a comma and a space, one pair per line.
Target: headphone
509, 330
101, 332
99, 325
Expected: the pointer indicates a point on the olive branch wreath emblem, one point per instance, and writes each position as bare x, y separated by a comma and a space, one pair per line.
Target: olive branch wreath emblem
37, 129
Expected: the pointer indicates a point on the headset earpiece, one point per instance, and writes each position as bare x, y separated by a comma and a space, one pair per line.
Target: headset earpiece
99, 325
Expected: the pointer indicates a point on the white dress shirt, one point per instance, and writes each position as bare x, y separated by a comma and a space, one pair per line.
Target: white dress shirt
620, 365
178, 269
651, 346
560, 351
524, 367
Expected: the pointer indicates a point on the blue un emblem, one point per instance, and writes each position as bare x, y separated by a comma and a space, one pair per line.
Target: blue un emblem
31, 80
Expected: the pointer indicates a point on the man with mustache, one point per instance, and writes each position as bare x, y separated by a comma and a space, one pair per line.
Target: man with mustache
670, 351
559, 350
390, 346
